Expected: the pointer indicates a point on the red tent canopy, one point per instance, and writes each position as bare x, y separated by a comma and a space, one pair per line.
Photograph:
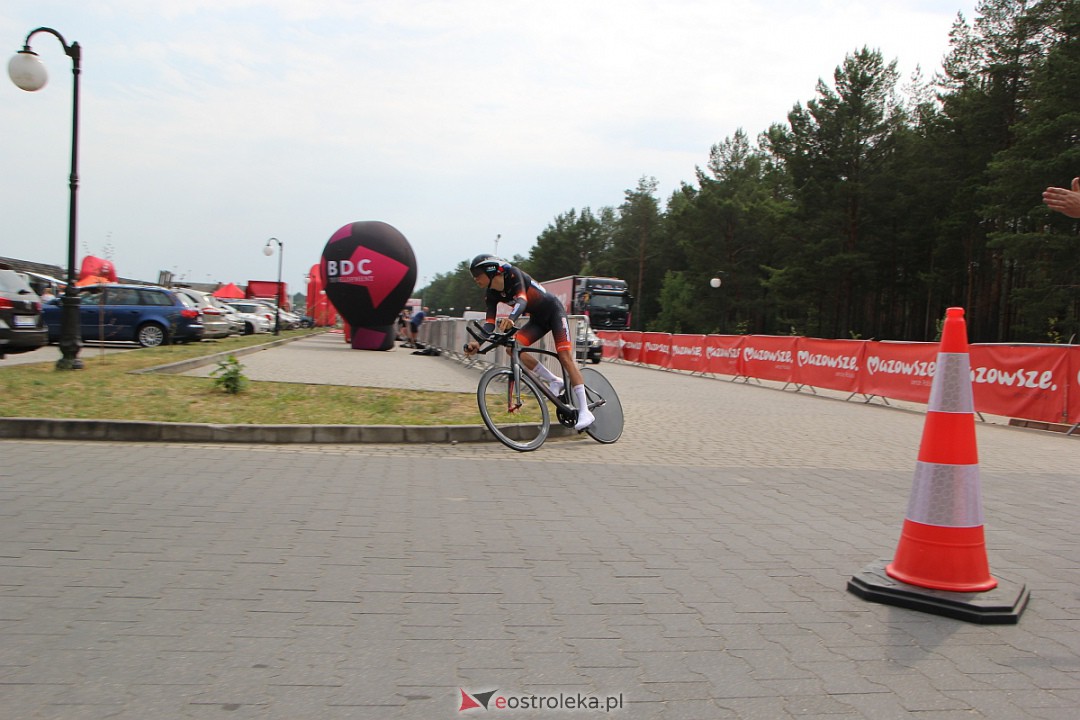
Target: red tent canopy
229, 291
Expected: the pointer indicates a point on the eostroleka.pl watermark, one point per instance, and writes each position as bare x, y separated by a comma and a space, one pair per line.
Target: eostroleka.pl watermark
563, 702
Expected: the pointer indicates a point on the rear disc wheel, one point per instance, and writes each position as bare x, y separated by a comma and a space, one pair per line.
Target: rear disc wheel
605, 405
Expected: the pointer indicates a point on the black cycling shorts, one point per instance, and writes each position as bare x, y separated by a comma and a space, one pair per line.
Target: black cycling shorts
548, 317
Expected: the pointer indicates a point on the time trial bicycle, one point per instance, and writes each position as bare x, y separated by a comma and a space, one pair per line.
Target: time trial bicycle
513, 401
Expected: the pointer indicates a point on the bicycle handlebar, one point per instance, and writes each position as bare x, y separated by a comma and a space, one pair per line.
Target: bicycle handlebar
493, 338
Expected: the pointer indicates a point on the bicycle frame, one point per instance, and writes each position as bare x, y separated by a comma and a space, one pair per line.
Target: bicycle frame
517, 367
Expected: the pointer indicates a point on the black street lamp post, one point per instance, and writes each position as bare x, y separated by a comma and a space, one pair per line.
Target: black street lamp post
268, 250
28, 73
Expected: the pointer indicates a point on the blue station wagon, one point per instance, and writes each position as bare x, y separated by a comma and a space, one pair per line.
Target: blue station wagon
148, 315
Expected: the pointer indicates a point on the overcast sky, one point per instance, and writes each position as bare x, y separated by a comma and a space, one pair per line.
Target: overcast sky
209, 126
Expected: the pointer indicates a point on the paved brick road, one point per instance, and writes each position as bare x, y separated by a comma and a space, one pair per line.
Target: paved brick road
697, 568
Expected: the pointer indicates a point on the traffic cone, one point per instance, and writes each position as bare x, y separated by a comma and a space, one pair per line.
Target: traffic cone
942, 546
940, 564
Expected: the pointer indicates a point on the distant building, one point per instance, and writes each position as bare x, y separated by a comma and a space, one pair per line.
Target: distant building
25, 266
55, 272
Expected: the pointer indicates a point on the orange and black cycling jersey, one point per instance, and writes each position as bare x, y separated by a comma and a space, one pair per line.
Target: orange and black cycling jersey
525, 295
520, 291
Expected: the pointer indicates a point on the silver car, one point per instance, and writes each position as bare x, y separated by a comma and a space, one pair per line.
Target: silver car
214, 322
289, 321
235, 321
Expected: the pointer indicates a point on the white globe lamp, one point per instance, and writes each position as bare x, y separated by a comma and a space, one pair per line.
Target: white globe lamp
27, 71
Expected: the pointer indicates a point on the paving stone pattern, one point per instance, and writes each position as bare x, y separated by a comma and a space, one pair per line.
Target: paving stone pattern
697, 567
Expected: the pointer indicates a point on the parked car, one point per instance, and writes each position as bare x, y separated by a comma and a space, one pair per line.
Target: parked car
255, 309
214, 322
145, 314
589, 345
236, 323
21, 326
289, 321
596, 348
46, 286
255, 320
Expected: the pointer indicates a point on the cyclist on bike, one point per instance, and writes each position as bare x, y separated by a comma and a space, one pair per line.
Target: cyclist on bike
508, 284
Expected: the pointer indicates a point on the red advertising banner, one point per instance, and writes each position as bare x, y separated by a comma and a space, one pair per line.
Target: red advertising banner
1023, 381
631, 347
612, 340
1074, 385
898, 370
832, 364
688, 353
768, 357
1032, 382
722, 354
656, 349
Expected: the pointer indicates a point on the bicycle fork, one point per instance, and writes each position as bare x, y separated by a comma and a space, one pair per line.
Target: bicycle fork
513, 391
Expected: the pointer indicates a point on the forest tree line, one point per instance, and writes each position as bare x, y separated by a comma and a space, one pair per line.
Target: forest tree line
875, 206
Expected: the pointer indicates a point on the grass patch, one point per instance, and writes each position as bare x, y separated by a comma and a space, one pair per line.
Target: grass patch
106, 390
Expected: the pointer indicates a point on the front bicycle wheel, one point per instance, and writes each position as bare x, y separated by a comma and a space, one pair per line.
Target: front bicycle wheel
516, 416
605, 405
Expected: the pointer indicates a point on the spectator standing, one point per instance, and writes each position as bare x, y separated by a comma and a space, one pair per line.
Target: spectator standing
414, 325
402, 324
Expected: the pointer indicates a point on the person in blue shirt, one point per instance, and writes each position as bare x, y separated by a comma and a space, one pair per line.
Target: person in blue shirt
414, 325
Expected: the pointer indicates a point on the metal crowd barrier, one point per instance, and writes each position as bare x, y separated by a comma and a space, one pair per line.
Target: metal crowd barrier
448, 336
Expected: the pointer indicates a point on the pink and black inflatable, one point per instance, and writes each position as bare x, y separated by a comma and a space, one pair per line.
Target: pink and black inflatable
369, 269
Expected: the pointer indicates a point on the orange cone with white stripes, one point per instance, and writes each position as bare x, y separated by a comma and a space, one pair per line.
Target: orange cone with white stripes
940, 565
942, 546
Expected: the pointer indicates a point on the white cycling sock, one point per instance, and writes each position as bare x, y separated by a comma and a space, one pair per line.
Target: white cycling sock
584, 418
543, 373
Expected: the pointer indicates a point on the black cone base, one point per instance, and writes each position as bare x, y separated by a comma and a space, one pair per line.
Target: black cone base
1001, 606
